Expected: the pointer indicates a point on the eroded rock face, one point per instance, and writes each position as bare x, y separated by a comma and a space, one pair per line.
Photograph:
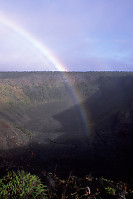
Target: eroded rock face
11, 138
124, 123
112, 112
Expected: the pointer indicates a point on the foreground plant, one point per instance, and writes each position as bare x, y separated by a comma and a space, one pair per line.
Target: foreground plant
21, 185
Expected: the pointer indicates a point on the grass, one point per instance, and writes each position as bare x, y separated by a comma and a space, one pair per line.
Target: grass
21, 185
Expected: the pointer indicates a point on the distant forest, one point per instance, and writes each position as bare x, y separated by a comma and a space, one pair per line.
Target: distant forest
43, 87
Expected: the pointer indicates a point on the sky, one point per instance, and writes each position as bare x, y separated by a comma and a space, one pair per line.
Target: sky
72, 35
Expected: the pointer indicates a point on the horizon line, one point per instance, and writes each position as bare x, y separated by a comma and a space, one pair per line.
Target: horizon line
99, 71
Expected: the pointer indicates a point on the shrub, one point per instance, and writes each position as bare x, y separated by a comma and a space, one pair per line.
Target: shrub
21, 185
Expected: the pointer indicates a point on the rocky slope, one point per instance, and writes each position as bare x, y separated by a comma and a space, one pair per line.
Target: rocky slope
11, 137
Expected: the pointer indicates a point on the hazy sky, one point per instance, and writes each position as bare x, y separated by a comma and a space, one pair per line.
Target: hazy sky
82, 34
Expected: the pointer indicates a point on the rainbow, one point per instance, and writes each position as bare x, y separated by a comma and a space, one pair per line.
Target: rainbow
6, 22
33, 41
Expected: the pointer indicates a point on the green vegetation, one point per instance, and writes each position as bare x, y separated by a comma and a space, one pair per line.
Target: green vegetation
32, 88
89, 188
106, 180
16, 185
25, 131
21, 185
110, 190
